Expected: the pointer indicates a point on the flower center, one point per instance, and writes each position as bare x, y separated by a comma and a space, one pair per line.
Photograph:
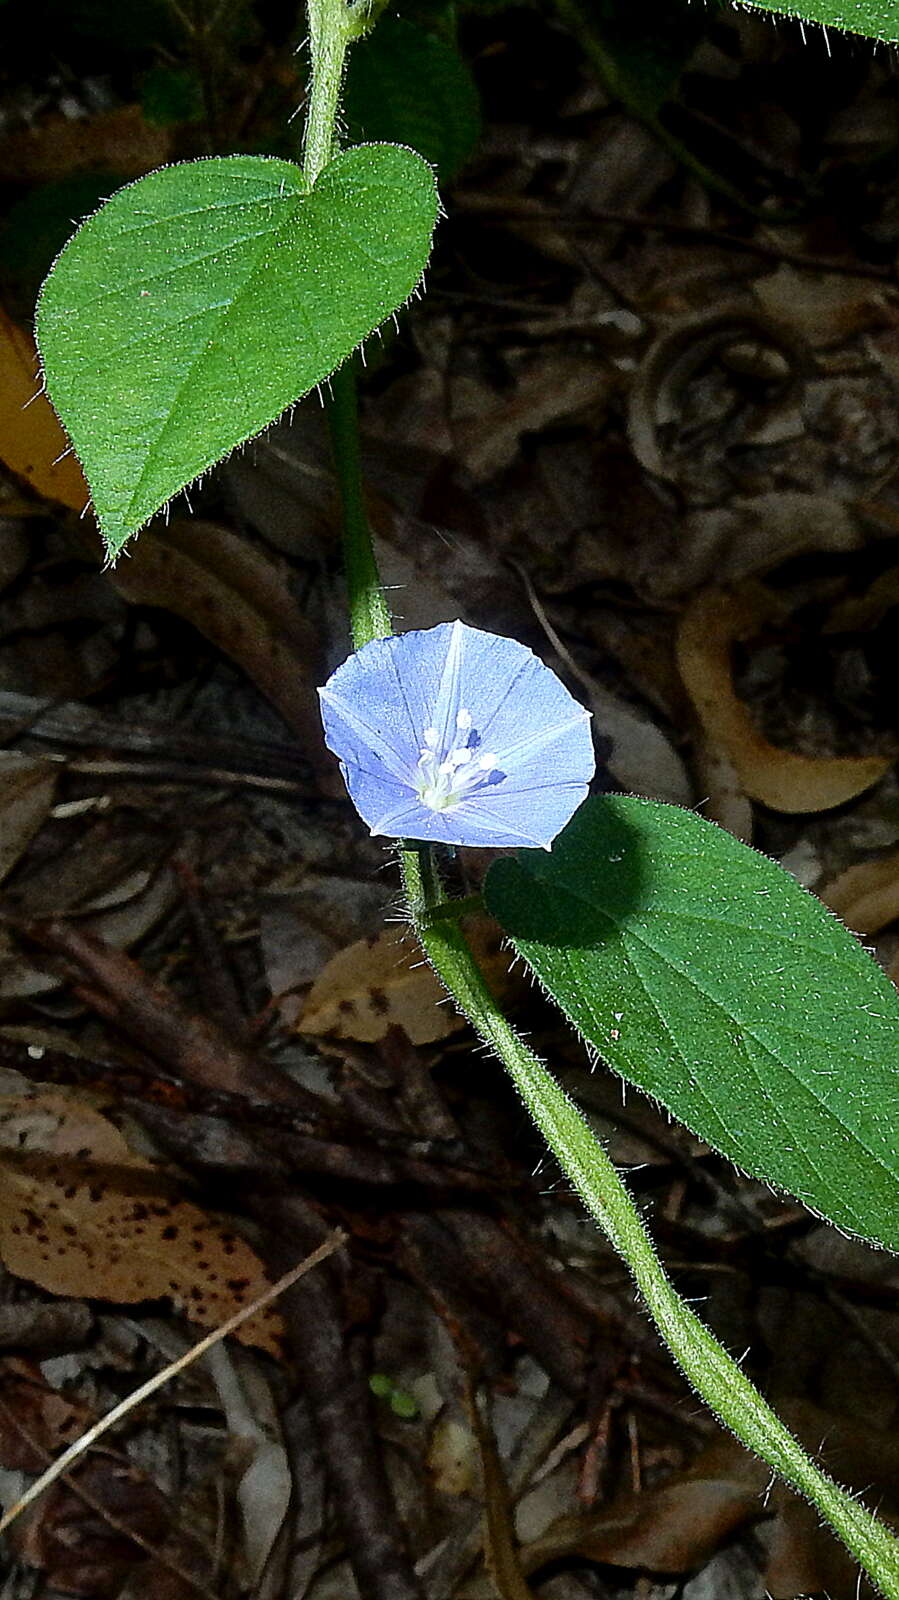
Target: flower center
444, 776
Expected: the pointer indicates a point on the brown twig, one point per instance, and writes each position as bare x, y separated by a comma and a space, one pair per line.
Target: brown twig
340, 1403
154, 1018
210, 1129
95, 1504
274, 1154
525, 209
168, 751
221, 996
325, 1246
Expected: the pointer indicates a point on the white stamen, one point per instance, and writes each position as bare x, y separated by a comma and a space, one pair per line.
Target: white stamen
442, 783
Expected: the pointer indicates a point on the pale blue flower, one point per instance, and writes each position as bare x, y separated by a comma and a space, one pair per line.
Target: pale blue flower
456, 736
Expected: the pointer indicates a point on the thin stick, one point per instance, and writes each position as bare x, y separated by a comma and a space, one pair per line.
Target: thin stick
96, 1505
65, 1461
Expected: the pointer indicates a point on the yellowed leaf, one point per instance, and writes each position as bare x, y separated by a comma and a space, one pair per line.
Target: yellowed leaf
31, 438
82, 1214
713, 622
384, 981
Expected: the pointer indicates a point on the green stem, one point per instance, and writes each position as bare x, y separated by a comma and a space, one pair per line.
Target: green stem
333, 26
328, 43
704, 1362
369, 614
708, 1367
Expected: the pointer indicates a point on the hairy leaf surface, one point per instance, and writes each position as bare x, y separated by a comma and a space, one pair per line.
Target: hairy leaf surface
874, 19
704, 974
198, 303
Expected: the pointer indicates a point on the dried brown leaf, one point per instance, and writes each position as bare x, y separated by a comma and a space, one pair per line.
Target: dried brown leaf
866, 895
27, 787
384, 981
79, 1536
81, 1214
36, 1421
681, 1523
120, 141
713, 622
375, 984
673, 1528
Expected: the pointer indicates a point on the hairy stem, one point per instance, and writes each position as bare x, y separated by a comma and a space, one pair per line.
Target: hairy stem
328, 41
369, 615
333, 26
705, 1363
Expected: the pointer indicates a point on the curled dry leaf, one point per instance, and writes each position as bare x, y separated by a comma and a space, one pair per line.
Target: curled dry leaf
81, 1214
31, 437
680, 353
384, 981
713, 622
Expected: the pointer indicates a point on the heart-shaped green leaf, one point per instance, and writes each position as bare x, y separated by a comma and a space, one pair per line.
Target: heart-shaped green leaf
703, 973
198, 303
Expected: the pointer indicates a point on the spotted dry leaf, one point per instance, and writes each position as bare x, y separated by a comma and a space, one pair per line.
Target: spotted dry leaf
384, 981
374, 984
81, 1214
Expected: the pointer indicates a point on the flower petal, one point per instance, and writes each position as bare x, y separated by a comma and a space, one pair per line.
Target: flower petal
533, 824
351, 737
532, 760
